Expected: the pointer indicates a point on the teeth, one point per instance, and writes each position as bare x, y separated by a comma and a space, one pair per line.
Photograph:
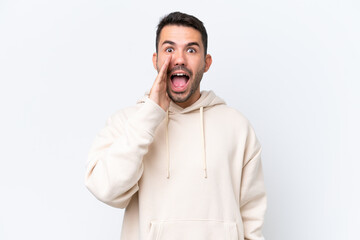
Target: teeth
180, 74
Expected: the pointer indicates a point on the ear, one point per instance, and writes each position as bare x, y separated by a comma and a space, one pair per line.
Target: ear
208, 61
154, 60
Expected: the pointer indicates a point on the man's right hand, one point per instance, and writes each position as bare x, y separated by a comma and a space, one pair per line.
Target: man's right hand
158, 91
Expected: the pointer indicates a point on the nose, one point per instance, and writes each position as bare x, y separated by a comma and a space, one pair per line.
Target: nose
179, 58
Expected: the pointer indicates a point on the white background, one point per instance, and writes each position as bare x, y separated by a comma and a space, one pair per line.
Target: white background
291, 67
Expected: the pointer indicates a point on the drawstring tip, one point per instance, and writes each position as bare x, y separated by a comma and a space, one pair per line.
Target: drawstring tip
168, 175
205, 171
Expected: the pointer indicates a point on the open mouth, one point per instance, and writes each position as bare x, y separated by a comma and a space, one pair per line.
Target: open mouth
179, 81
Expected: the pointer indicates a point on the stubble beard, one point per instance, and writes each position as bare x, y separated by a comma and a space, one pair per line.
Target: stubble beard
178, 97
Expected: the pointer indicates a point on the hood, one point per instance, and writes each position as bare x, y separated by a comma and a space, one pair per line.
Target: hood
207, 100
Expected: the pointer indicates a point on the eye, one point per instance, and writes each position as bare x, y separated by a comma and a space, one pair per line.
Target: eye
169, 50
191, 50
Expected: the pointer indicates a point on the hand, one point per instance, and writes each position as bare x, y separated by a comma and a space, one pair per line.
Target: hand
158, 91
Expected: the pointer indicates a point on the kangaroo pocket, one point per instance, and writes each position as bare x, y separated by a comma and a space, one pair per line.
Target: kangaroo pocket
193, 229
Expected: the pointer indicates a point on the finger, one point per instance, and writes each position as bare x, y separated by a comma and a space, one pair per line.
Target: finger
164, 67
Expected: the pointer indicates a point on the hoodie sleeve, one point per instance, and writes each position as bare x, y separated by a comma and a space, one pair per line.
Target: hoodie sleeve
253, 200
115, 158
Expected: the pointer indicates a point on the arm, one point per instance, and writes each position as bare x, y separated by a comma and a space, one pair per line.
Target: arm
252, 195
115, 159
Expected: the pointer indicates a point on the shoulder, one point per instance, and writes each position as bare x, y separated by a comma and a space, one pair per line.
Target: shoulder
144, 108
232, 120
226, 113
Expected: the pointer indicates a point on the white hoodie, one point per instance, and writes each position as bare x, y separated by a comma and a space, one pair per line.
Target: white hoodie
184, 174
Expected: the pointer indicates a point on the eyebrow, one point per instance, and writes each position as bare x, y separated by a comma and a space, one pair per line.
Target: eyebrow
189, 44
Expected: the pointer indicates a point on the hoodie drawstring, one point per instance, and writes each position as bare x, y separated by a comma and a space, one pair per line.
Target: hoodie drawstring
167, 144
202, 141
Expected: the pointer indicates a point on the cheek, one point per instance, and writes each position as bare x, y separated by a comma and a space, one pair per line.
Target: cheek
158, 64
199, 65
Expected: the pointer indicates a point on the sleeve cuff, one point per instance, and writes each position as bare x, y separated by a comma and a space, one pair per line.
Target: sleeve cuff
148, 117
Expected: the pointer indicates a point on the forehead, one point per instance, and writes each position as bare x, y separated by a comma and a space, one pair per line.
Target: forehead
180, 35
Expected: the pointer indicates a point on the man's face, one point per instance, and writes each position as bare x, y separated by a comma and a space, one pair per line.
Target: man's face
187, 64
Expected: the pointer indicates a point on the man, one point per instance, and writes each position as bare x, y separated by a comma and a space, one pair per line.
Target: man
182, 163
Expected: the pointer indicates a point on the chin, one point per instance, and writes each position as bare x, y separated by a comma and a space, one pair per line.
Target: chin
179, 97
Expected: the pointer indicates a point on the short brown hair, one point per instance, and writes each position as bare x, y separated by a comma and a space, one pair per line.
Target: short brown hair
182, 19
